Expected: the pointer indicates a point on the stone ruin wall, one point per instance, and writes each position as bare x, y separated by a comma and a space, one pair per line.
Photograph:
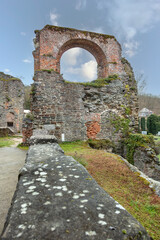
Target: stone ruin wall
11, 102
77, 111
74, 111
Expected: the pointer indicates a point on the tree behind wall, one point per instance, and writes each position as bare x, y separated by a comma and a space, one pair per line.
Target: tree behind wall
152, 124
143, 123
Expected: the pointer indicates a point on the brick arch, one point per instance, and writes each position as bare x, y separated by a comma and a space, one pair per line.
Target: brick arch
91, 47
52, 41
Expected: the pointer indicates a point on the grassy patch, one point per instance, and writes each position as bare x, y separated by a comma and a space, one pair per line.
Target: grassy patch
126, 187
98, 82
6, 141
157, 138
23, 147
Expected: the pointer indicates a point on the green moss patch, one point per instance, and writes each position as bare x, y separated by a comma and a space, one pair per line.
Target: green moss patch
100, 144
64, 29
137, 140
98, 82
9, 79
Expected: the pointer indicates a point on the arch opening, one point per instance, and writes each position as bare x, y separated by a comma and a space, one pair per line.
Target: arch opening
92, 48
78, 65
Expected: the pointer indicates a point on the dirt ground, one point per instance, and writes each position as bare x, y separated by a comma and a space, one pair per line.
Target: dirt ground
11, 160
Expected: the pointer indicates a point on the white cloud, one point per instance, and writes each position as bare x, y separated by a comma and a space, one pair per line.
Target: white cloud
87, 71
6, 70
127, 18
23, 33
26, 61
70, 57
81, 4
54, 17
130, 48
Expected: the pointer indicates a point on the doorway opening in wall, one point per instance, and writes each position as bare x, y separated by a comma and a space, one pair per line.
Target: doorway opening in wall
78, 65
9, 124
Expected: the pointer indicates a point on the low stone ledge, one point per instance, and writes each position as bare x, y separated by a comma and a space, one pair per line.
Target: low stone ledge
56, 198
40, 139
41, 136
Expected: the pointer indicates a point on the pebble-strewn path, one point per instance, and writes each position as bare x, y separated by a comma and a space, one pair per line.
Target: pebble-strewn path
11, 160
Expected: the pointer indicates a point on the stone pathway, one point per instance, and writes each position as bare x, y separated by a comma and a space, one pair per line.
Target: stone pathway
11, 160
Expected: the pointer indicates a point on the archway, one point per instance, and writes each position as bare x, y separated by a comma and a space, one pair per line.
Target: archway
91, 47
78, 65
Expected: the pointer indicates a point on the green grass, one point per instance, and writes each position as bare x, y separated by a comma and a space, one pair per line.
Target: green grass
98, 82
157, 138
6, 141
21, 146
126, 187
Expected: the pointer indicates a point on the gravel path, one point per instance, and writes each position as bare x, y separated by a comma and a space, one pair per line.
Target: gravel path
11, 160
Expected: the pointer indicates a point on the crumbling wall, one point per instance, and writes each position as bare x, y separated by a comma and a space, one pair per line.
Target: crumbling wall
11, 102
76, 111
56, 198
81, 111
52, 41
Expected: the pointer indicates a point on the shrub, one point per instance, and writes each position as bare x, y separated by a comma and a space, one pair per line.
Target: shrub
100, 144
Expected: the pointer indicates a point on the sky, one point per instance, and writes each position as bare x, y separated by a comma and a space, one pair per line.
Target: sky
134, 23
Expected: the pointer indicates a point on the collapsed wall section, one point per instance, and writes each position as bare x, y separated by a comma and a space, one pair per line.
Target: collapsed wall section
11, 102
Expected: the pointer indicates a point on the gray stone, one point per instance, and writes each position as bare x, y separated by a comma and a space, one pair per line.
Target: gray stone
56, 198
11, 101
41, 136
146, 161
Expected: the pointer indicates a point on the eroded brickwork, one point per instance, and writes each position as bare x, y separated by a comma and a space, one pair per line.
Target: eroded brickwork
52, 41
11, 102
74, 111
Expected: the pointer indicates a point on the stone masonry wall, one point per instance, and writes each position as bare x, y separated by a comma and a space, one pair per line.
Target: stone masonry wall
77, 111
11, 102
80, 112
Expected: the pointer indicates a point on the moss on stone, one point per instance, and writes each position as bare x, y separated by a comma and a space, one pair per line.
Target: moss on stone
10, 79
98, 82
64, 29
100, 144
134, 141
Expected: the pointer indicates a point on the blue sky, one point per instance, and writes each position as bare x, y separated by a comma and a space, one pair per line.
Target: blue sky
135, 24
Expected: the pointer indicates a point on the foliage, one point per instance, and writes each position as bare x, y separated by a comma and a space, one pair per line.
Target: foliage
137, 140
98, 82
30, 116
143, 124
22, 146
6, 142
121, 183
27, 97
8, 98
100, 144
149, 101
121, 124
153, 124
10, 79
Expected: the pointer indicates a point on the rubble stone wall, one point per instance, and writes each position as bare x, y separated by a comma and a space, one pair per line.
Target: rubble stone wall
79, 111
11, 102
74, 111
